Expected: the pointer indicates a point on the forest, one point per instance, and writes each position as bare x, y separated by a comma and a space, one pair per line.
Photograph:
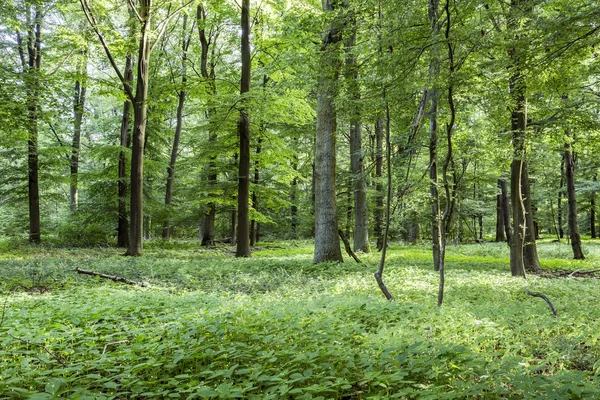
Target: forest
271, 199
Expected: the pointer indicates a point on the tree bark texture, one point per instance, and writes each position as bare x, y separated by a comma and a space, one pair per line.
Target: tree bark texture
378, 181
500, 232
185, 41
327, 244
570, 178
243, 231
207, 70
78, 106
31, 68
140, 107
434, 70
125, 143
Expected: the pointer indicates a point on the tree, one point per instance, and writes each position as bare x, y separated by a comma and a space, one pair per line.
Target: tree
243, 230
327, 245
78, 108
570, 178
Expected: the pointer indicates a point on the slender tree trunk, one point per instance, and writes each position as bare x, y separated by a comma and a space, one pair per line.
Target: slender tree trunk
593, 210
253, 223
378, 181
361, 218
434, 71
561, 232
243, 233
136, 226
505, 209
166, 233
208, 74
570, 169
500, 237
327, 245
530, 255
125, 139
78, 105
293, 196
31, 68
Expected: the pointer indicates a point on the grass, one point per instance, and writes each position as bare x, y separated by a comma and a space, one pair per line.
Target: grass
276, 326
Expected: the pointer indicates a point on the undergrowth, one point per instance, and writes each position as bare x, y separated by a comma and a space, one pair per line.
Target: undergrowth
275, 326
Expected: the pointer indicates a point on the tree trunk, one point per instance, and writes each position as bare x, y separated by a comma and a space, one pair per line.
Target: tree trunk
125, 139
31, 69
243, 233
166, 233
561, 232
253, 223
136, 226
327, 245
570, 177
434, 70
593, 210
378, 181
500, 237
78, 106
208, 74
505, 209
530, 256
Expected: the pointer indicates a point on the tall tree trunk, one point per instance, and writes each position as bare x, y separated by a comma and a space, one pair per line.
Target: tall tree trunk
593, 210
207, 70
361, 218
500, 237
561, 232
78, 105
327, 245
570, 177
31, 68
434, 71
293, 196
185, 42
505, 209
523, 254
125, 142
253, 223
378, 181
136, 199
243, 233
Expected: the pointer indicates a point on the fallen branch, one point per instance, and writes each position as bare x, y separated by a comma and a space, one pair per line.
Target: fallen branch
347, 246
543, 296
111, 277
113, 343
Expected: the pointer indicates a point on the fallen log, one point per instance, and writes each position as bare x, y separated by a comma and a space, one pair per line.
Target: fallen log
543, 296
113, 278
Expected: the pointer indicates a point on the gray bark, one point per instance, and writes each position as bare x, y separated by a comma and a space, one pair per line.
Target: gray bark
570, 177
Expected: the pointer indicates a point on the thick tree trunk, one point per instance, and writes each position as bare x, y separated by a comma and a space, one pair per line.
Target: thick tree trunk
136, 226
434, 70
243, 233
327, 245
570, 177
166, 233
378, 181
125, 139
78, 105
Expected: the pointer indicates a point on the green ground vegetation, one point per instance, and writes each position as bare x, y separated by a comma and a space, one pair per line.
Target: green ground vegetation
276, 326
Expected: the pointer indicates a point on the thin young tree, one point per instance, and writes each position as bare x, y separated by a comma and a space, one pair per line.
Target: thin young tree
570, 178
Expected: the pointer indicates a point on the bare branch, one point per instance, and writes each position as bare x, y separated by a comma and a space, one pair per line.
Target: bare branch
135, 11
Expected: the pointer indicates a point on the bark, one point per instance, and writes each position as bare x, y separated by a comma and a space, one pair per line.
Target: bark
327, 245
378, 181
593, 210
505, 209
78, 106
570, 177
125, 139
31, 67
434, 70
530, 256
207, 70
243, 233
561, 232
166, 233
253, 223
500, 237
361, 217
140, 104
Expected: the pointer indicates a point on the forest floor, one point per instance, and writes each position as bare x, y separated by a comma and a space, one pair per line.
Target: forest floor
276, 326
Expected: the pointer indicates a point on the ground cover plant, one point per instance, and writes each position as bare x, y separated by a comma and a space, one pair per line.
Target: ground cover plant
208, 325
